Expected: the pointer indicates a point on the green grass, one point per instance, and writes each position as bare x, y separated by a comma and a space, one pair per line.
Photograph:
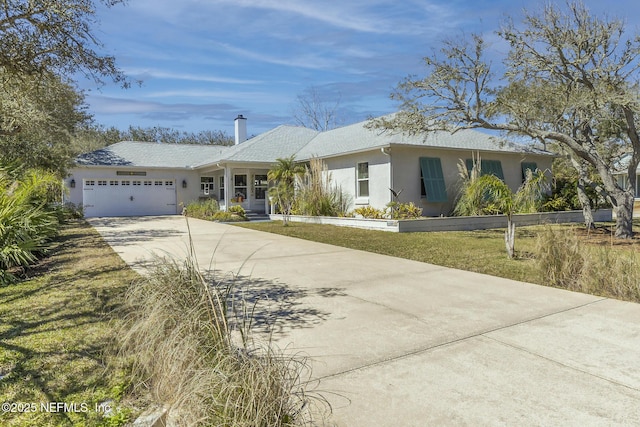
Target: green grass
56, 329
479, 251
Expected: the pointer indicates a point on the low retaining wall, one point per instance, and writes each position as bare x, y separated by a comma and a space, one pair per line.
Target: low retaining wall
457, 223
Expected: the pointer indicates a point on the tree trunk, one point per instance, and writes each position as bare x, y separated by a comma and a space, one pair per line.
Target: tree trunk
583, 179
510, 238
586, 205
623, 208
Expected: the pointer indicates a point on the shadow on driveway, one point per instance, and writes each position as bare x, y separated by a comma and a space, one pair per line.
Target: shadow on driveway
273, 307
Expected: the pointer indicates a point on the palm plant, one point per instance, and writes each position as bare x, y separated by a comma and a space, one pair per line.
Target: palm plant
27, 220
488, 194
283, 176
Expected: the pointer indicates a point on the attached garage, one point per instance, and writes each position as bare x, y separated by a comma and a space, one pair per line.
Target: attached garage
138, 178
128, 197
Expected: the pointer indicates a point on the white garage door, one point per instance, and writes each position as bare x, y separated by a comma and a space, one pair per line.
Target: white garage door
128, 197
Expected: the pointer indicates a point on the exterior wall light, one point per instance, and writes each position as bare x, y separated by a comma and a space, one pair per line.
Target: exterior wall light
184, 183
73, 183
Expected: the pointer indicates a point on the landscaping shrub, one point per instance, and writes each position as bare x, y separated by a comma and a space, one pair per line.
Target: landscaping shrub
238, 211
27, 218
202, 209
397, 210
183, 339
316, 195
370, 212
564, 262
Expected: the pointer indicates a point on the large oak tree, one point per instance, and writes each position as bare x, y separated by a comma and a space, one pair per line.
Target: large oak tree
569, 80
44, 45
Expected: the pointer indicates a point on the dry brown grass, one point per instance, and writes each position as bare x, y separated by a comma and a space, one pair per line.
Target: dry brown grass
585, 262
182, 337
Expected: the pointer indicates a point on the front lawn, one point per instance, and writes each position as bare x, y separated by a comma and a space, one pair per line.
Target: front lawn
481, 251
56, 329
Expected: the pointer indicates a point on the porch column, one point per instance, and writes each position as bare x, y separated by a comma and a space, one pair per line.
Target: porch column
228, 187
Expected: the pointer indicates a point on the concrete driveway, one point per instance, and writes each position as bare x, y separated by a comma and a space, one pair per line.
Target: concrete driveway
402, 343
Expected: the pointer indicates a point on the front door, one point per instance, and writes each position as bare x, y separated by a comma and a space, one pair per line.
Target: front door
260, 184
240, 191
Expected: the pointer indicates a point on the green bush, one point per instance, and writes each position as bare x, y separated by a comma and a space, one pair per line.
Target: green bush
397, 210
238, 210
202, 209
27, 218
369, 212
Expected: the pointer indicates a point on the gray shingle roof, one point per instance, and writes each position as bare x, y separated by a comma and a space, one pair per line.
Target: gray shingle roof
284, 141
357, 137
280, 142
150, 154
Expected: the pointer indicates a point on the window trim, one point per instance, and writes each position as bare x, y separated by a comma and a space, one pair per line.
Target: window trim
237, 188
362, 180
207, 185
257, 186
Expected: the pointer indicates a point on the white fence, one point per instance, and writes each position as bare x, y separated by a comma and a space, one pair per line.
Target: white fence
456, 223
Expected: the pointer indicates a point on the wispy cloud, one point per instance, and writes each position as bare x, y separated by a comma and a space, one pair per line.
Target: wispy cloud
367, 16
162, 74
306, 60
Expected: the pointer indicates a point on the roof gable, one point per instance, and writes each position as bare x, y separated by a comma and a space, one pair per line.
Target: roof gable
283, 141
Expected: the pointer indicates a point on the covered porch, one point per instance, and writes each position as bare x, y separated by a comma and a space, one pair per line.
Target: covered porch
236, 185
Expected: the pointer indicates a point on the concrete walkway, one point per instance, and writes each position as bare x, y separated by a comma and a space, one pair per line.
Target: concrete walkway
402, 343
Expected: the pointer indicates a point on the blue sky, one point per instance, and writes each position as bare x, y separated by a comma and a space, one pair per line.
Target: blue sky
203, 62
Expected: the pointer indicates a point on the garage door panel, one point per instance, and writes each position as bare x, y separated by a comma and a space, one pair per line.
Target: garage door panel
129, 197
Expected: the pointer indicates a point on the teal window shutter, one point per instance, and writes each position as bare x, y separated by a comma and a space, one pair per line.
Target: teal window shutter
528, 165
488, 167
433, 179
492, 167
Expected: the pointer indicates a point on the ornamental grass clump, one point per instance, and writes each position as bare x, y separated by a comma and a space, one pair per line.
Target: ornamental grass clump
316, 194
565, 261
183, 341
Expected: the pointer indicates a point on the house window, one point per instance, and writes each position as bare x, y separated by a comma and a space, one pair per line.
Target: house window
487, 167
432, 186
89, 182
206, 185
532, 166
168, 183
240, 186
113, 182
362, 185
148, 183
101, 182
137, 182
222, 187
157, 182
260, 186
126, 182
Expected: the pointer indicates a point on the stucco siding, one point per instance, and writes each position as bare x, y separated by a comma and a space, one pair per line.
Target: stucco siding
406, 173
343, 173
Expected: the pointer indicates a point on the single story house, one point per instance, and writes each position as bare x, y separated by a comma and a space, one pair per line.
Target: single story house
140, 178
